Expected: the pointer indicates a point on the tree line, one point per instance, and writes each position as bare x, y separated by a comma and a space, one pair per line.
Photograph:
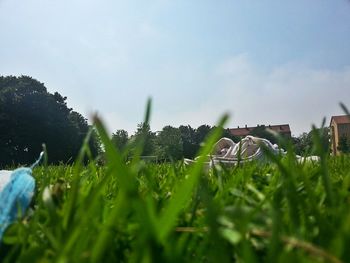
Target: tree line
170, 143
184, 142
31, 116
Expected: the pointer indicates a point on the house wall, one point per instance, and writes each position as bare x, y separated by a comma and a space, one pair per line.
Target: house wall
335, 137
333, 143
283, 130
337, 131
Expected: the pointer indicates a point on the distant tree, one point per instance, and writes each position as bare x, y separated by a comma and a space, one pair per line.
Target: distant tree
189, 145
30, 116
303, 144
120, 139
343, 145
201, 133
192, 138
169, 143
95, 142
325, 138
80, 128
144, 132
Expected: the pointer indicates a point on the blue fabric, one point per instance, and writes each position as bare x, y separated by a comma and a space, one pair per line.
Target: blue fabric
16, 197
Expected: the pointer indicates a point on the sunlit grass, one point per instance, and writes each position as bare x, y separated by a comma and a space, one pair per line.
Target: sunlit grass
143, 212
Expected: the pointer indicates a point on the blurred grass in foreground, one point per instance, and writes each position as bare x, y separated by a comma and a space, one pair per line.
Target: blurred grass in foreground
281, 211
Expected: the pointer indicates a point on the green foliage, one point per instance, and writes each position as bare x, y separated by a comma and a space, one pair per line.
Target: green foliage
201, 132
169, 143
120, 139
144, 133
31, 116
192, 138
304, 143
189, 144
281, 211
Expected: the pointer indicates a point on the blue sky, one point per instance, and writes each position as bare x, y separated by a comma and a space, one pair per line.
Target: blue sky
264, 62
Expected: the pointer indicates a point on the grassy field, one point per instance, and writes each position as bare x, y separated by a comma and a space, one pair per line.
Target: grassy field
279, 211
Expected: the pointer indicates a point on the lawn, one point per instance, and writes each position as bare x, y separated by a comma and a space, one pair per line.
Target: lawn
273, 211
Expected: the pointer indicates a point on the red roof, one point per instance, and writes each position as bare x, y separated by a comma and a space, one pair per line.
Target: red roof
341, 119
241, 131
283, 128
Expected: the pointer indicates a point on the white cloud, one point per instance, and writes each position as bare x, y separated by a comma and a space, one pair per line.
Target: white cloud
290, 93
112, 56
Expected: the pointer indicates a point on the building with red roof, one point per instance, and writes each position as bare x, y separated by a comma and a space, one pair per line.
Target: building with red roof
283, 129
339, 127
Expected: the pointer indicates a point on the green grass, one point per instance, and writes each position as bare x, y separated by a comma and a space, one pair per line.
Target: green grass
279, 211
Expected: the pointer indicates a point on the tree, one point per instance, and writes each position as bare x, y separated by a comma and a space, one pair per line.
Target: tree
325, 138
169, 143
189, 145
303, 144
201, 133
192, 138
144, 133
120, 139
30, 116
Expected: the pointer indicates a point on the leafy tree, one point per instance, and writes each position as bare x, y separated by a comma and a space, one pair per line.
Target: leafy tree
169, 143
189, 145
120, 139
30, 116
192, 138
80, 128
303, 144
201, 133
144, 133
325, 137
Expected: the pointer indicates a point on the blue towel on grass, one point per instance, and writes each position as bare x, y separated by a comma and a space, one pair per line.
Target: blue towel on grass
16, 193
16, 197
